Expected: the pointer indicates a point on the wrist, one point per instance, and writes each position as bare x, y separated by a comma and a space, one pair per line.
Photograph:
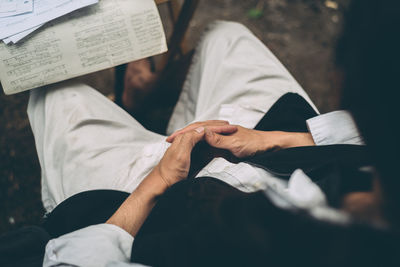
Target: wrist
155, 183
273, 140
290, 139
133, 212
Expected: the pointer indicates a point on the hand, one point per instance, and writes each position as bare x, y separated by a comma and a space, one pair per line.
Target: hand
217, 126
246, 142
173, 167
175, 164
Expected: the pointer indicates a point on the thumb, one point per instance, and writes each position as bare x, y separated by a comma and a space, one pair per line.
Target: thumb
216, 140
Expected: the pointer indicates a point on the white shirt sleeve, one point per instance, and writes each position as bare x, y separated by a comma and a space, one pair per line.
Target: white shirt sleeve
333, 128
98, 246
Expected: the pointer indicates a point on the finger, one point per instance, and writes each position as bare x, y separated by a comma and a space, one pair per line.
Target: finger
184, 143
193, 126
216, 140
226, 129
188, 140
196, 125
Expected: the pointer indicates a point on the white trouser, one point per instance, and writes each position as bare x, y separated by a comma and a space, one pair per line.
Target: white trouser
86, 142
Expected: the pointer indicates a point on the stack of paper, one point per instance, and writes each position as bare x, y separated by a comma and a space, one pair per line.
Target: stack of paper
19, 18
102, 36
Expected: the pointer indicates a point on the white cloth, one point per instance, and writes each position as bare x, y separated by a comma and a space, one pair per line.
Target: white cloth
234, 77
336, 127
115, 243
85, 142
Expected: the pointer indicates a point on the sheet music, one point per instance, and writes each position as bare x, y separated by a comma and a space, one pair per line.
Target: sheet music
102, 36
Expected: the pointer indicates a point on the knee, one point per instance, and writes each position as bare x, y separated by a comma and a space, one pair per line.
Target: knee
59, 95
224, 32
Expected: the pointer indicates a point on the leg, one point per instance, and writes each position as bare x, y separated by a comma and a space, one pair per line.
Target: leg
86, 142
139, 82
234, 77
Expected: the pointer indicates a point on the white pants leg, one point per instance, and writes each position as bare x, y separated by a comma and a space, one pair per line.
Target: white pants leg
86, 142
234, 77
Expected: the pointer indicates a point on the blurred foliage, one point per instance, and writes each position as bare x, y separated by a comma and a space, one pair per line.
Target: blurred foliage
255, 13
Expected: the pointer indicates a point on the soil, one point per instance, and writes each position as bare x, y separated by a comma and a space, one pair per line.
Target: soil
302, 33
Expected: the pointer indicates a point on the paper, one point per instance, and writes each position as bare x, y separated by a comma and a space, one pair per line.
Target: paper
102, 36
19, 36
15, 7
44, 11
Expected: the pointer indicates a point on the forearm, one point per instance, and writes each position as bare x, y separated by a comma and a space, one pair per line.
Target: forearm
297, 139
276, 140
134, 211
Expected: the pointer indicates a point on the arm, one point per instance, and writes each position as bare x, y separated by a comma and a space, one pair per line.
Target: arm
332, 128
247, 142
135, 209
243, 142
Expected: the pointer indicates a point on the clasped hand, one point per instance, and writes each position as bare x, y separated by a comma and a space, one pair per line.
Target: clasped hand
240, 141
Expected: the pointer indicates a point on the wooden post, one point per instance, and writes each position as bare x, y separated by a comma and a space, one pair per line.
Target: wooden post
181, 25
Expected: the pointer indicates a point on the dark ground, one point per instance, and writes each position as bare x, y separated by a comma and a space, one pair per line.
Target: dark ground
302, 33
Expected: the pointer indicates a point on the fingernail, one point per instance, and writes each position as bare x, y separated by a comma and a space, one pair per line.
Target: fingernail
200, 129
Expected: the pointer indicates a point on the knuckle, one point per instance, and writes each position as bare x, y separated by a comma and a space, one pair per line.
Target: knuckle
181, 157
218, 140
186, 136
237, 151
189, 137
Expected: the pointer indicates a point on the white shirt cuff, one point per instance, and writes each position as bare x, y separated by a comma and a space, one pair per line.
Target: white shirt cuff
95, 246
334, 128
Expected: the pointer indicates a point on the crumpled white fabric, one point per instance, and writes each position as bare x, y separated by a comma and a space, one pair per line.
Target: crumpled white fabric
303, 192
93, 246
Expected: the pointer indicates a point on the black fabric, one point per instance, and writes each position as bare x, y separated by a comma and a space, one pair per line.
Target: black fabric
26, 246
23, 247
205, 222
310, 159
82, 210
288, 114
324, 165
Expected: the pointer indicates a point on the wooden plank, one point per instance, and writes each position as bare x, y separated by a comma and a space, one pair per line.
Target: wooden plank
174, 9
178, 35
159, 2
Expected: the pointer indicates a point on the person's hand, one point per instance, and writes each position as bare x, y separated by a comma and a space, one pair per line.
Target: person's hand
246, 142
175, 164
172, 168
217, 126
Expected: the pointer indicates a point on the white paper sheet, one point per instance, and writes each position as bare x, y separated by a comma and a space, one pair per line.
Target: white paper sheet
19, 36
15, 7
102, 36
8, 6
44, 11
